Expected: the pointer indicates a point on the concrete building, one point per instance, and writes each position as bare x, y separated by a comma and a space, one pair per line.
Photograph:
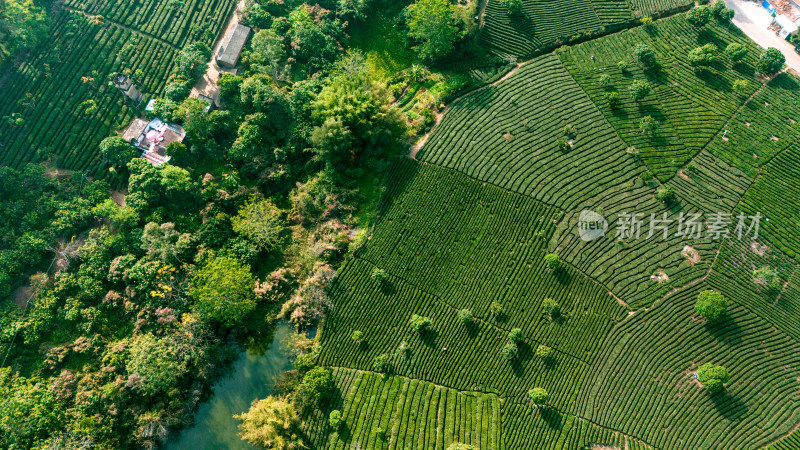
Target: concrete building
232, 45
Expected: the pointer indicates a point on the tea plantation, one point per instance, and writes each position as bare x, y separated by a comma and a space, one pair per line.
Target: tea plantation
463, 307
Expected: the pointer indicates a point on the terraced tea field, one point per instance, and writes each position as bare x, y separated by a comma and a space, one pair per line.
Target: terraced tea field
545, 25
468, 227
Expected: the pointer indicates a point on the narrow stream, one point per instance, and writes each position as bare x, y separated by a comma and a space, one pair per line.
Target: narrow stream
252, 377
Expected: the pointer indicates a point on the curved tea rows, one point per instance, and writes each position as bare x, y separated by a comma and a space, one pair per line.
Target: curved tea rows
508, 135
413, 415
176, 23
642, 384
690, 109
764, 126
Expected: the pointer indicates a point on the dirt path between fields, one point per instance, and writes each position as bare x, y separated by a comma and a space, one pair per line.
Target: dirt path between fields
207, 85
438, 116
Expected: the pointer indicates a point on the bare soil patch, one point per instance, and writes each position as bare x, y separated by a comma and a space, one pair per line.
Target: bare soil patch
691, 254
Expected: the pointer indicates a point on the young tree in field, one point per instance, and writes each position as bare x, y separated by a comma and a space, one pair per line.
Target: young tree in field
552, 260
645, 56
514, 7
639, 90
539, 396
702, 56
335, 419
771, 61
720, 12
357, 337
516, 336
431, 22
497, 311
767, 276
666, 195
612, 98
712, 377
711, 305
223, 291
378, 276
543, 351
465, 317
382, 363
648, 125
699, 16
551, 308
509, 351
116, 151
318, 384
271, 423
261, 222
736, 52
420, 324
740, 87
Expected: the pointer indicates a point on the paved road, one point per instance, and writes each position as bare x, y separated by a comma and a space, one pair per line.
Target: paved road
753, 20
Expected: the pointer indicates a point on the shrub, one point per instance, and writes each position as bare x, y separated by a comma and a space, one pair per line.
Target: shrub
509, 351
711, 305
460, 446
516, 336
736, 52
645, 56
357, 337
647, 21
318, 383
403, 350
712, 377
666, 195
563, 145
465, 316
604, 80
538, 396
552, 260
639, 90
622, 65
543, 351
420, 324
335, 419
771, 61
551, 308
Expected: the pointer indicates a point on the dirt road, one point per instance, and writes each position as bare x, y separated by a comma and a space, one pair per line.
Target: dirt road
753, 20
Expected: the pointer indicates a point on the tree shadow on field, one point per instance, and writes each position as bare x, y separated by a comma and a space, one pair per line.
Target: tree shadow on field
562, 275
472, 329
727, 331
429, 338
551, 417
524, 355
388, 288
729, 405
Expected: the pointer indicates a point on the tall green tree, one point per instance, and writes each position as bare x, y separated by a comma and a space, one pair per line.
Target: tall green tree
432, 24
223, 291
116, 151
